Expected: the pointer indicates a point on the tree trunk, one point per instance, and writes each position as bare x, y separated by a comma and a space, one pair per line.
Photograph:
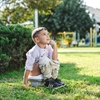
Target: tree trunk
54, 34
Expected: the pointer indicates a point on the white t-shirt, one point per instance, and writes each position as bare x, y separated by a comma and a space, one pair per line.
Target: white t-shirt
34, 54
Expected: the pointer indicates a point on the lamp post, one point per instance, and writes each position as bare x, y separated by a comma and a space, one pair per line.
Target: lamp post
36, 18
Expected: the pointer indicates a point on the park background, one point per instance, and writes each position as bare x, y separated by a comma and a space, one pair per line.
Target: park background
80, 67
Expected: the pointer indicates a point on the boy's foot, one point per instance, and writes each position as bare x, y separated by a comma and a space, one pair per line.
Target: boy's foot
51, 83
60, 82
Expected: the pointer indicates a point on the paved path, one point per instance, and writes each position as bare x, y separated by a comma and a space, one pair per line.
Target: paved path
75, 50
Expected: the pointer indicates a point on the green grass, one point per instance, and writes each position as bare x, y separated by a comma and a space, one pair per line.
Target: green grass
80, 71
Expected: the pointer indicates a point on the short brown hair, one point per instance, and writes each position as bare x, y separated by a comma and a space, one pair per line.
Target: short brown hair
36, 31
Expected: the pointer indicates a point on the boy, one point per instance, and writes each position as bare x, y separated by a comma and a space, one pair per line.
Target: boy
42, 58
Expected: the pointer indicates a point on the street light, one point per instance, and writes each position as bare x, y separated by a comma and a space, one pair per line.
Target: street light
36, 18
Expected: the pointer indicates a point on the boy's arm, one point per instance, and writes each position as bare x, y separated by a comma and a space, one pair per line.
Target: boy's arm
26, 74
28, 66
55, 53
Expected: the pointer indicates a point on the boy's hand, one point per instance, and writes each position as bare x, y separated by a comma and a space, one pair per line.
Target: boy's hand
54, 53
52, 42
26, 73
26, 84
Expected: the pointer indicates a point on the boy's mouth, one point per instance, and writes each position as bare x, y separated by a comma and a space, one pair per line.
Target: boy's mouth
48, 39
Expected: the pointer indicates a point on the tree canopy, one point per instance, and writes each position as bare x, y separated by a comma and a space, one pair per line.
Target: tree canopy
70, 15
55, 15
22, 10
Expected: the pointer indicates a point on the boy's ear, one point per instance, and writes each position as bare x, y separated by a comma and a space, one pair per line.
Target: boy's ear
36, 39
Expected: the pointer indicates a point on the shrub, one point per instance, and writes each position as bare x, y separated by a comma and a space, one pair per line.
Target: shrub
15, 40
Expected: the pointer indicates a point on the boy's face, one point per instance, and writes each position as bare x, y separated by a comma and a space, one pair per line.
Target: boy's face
43, 37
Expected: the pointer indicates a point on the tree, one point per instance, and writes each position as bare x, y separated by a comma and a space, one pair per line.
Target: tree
16, 15
70, 15
15, 11
23, 10
41, 5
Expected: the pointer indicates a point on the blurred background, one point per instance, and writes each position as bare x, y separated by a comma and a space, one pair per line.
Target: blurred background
71, 23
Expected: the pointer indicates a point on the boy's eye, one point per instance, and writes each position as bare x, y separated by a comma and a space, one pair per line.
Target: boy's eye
45, 34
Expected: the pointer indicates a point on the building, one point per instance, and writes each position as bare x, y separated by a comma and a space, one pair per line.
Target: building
96, 15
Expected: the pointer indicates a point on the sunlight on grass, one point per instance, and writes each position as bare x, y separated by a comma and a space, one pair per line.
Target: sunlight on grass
89, 63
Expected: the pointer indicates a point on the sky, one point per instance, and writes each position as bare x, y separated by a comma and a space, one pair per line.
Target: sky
93, 3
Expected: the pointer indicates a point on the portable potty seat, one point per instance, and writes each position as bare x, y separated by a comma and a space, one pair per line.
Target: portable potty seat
36, 80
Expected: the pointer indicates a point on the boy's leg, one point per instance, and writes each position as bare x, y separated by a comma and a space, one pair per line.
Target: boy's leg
44, 65
46, 70
36, 70
55, 67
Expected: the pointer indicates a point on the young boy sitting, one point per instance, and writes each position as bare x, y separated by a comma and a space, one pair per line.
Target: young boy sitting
42, 58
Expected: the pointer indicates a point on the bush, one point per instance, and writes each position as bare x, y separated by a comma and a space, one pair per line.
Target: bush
15, 40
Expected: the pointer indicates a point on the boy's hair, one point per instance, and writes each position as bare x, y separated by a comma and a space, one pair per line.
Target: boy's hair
36, 31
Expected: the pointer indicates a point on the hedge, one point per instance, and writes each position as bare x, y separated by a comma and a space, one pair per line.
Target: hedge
15, 40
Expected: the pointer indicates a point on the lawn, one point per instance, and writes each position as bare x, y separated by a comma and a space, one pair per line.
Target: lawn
80, 72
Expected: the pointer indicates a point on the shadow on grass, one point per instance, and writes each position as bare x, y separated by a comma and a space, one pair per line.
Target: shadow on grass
20, 92
12, 77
